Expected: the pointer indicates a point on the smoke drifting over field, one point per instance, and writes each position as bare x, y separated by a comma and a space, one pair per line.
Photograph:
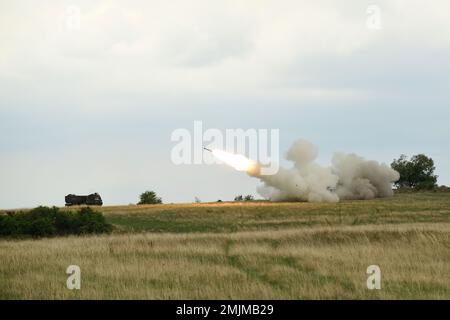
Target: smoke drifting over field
349, 177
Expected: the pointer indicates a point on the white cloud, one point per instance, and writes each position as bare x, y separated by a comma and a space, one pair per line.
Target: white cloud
204, 46
139, 60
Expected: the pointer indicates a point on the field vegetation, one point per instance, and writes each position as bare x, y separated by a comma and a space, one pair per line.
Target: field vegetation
245, 250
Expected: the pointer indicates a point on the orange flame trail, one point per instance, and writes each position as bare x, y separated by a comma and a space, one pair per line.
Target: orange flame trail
237, 161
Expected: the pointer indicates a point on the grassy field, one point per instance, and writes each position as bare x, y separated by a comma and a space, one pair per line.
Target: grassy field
255, 250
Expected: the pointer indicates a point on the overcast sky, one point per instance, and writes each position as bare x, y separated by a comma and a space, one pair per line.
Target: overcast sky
91, 107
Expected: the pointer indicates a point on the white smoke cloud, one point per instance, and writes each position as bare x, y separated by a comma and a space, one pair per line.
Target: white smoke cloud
349, 177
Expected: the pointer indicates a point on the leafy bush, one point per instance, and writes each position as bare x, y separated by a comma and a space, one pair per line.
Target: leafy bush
149, 197
242, 198
249, 198
92, 222
47, 222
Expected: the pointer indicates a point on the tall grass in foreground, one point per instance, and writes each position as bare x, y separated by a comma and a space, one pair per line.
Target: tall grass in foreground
318, 262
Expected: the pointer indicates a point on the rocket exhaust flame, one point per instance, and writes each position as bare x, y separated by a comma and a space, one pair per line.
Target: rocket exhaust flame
237, 161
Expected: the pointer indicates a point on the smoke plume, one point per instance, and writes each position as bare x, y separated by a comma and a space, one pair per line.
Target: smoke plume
349, 177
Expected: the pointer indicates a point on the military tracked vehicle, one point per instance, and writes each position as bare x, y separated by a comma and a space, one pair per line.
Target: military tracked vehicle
93, 199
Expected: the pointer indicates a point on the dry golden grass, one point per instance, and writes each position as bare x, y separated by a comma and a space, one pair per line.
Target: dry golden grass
322, 262
266, 258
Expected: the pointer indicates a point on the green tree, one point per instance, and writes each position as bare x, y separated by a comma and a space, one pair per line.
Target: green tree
239, 198
416, 173
249, 198
149, 197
